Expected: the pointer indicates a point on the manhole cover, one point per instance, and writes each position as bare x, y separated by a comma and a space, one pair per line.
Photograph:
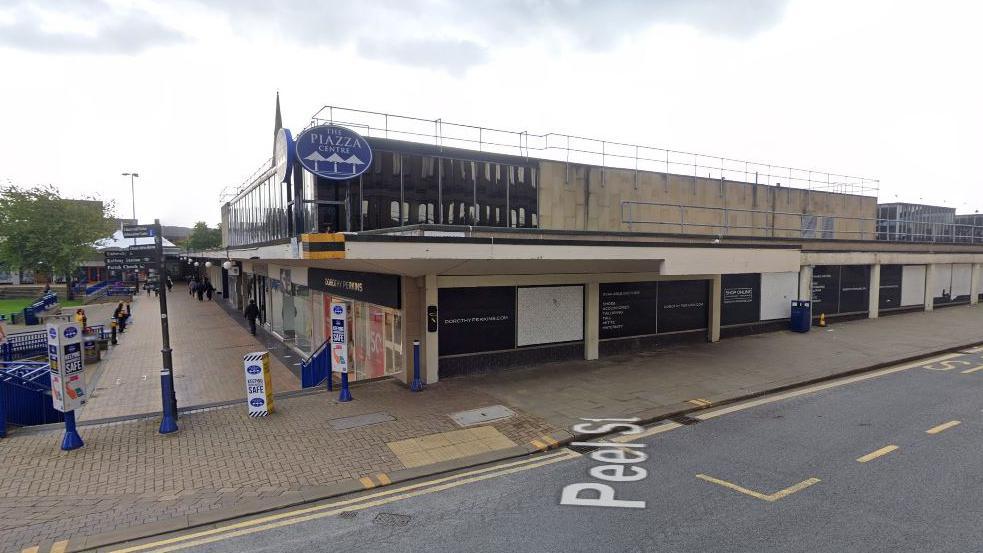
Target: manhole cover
391, 519
482, 415
360, 420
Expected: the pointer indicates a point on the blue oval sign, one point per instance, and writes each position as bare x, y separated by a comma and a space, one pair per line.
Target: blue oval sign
337, 310
256, 402
70, 332
253, 369
333, 152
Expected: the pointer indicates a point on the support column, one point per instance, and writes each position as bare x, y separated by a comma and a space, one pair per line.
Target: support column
591, 323
713, 335
975, 281
929, 287
805, 285
430, 362
874, 290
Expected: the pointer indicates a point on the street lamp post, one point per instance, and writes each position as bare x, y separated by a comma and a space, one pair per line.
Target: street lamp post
133, 196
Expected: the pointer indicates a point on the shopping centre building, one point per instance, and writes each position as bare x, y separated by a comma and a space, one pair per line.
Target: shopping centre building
497, 249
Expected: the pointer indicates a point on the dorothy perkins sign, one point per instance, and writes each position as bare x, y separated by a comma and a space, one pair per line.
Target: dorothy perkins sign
333, 152
377, 288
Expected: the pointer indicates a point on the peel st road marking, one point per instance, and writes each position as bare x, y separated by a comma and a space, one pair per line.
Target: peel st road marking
355, 504
820, 387
699, 402
59, 546
771, 498
946, 365
974, 369
875, 454
942, 427
664, 427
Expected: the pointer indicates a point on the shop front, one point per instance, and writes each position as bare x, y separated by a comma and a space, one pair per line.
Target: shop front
375, 318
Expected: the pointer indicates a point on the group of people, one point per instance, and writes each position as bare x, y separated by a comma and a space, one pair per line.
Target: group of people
155, 286
201, 288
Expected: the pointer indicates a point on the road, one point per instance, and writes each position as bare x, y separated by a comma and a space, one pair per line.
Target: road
878, 463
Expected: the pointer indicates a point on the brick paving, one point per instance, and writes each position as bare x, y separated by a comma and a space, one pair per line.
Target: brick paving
207, 354
127, 474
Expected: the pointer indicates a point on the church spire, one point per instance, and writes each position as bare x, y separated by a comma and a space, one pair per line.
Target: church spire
278, 122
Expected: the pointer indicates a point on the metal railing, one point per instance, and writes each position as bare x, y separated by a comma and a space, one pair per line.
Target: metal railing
732, 221
317, 368
574, 149
578, 149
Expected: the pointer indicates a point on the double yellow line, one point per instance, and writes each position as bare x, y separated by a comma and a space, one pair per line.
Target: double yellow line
305, 514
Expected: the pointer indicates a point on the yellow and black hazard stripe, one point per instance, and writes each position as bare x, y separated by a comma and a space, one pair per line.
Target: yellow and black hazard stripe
323, 246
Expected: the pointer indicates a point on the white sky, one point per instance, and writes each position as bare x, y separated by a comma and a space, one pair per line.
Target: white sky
183, 91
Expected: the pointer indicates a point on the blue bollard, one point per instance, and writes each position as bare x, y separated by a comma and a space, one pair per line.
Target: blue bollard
345, 394
168, 423
72, 440
417, 384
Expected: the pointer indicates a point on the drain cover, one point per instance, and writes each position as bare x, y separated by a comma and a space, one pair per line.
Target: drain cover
348, 514
391, 519
482, 415
360, 420
684, 419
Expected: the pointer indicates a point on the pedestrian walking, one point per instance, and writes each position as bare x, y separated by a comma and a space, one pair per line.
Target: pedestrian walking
252, 313
192, 284
200, 290
170, 284
209, 289
119, 315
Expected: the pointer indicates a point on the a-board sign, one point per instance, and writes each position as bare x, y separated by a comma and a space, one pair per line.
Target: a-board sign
259, 385
67, 366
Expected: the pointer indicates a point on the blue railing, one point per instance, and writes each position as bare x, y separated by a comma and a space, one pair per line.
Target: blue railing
25, 395
317, 368
117, 289
23, 345
34, 343
96, 287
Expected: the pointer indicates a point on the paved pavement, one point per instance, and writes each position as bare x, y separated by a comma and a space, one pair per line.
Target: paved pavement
654, 383
207, 358
796, 475
127, 475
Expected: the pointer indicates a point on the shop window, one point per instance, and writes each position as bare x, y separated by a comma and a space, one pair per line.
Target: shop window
397, 163
394, 211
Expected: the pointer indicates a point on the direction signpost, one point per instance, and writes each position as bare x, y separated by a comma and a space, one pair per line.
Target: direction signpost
168, 422
141, 231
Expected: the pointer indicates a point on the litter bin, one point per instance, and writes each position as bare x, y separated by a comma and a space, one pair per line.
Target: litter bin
30, 317
91, 350
801, 318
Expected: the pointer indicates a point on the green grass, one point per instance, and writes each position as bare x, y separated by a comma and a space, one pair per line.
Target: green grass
17, 305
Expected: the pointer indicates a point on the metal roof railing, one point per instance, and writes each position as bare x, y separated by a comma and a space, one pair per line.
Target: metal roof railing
574, 149
579, 149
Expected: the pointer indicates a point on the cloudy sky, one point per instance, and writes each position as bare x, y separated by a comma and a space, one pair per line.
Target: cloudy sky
182, 91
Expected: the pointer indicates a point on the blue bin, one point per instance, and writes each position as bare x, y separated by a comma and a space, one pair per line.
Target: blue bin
801, 319
30, 317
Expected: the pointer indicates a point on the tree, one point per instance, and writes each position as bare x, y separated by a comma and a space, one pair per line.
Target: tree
204, 238
40, 230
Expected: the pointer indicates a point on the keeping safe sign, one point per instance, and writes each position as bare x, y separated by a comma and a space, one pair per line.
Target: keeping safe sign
339, 337
259, 386
67, 368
